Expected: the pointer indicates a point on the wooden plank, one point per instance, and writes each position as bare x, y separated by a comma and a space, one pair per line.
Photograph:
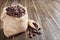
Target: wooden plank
33, 15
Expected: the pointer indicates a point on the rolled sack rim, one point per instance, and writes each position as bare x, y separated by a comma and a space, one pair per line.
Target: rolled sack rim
4, 10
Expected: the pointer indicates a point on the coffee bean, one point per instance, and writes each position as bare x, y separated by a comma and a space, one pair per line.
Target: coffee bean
34, 34
38, 33
15, 11
8, 9
35, 24
30, 36
39, 29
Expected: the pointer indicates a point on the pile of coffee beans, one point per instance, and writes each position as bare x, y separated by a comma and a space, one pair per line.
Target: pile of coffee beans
15, 11
32, 31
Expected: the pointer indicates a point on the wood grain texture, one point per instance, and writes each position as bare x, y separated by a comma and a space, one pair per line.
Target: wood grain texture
44, 12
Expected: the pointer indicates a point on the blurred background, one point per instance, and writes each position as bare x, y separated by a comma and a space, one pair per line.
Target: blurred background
45, 12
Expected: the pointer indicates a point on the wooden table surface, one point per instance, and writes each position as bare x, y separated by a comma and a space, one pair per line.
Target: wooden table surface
45, 12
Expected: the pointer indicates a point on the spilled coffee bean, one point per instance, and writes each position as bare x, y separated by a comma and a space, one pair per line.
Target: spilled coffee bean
30, 36
36, 26
30, 32
38, 33
39, 29
15, 11
33, 32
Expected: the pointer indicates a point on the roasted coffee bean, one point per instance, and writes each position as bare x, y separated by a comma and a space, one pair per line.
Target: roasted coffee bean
39, 29
29, 33
15, 11
23, 10
35, 24
8, 9
34, 31
39, 33
34, 34
30, 36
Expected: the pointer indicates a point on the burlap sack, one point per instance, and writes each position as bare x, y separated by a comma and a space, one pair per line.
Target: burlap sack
12, 25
